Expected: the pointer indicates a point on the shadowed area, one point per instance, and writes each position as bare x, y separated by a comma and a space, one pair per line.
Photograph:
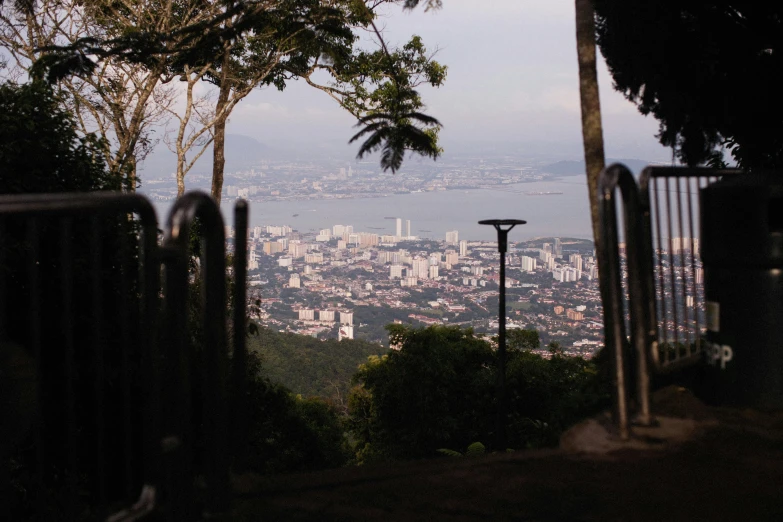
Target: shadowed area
731, 468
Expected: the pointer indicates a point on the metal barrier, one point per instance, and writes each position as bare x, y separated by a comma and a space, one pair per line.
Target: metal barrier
616, 177
670, 201
665, 305
100, 348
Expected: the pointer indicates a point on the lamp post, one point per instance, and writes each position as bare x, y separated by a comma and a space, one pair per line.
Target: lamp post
500, 419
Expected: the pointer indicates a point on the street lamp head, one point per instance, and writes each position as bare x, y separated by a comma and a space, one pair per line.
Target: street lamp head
502, 232
502, 222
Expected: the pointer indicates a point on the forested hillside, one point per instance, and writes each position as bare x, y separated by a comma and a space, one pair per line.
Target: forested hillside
309, 366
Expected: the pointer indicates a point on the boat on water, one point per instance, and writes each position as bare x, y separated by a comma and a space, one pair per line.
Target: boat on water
295, 215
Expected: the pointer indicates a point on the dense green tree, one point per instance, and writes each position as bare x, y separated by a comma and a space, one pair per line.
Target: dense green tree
40, 148
309, 366
438, 391
519, 339
287, 432
706, 70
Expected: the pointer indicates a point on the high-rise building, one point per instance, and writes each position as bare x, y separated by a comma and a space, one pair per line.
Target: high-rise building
293, 281
408, 227
420, 268
314, 257
252, 262
452, 237
367, 239
326, 315
297, 250
528, 264
463, 248
395, 271
306, 315
558, 248
409, 281
433, 272
399, 227
346, 318
338, 230
452, 258
345, 332
272, 247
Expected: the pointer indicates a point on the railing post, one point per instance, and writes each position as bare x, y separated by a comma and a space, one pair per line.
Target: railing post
239, 361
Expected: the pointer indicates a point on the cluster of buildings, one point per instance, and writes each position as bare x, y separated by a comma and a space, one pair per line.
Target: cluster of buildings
317, 283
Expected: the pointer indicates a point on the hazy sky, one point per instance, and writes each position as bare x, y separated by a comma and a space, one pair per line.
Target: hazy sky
512, 79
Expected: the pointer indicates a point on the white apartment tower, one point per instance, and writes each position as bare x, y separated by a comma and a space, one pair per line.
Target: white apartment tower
399, 227
529, 264
463, 248
452, 237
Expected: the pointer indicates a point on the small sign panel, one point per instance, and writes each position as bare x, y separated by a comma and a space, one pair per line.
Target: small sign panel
713, 316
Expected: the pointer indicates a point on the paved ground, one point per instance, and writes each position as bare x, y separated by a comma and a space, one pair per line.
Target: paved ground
729, 468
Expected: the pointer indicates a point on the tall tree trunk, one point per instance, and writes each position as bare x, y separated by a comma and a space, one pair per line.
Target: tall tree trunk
592, 132
180, 173
219, 144
132, 174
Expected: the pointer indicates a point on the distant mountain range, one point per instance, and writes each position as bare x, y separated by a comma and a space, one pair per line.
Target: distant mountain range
577, 168
241, 152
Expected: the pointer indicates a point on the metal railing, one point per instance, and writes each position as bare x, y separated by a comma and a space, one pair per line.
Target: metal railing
670, 210
665, 307
94, 317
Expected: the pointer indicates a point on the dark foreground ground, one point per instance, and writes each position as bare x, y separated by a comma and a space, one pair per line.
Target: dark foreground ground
729, 467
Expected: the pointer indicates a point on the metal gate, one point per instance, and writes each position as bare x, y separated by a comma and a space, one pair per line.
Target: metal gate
116, 353
661, 299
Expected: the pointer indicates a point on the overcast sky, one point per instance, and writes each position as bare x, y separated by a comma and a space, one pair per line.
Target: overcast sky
512, 80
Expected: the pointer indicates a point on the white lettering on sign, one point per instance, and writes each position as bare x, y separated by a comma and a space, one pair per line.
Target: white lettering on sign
719, 352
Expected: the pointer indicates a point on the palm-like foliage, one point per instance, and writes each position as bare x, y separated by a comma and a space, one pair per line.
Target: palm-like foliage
397, 130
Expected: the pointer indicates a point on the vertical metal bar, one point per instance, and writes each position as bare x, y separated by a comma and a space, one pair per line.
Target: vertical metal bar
97, 346
68, 318
3, 293
671, 266
611, 296
501, 417
239, 361
34, 325
634, 235
124, 331
177, 447
149, 316
214, 306
682, 269
697, 331
663, 329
